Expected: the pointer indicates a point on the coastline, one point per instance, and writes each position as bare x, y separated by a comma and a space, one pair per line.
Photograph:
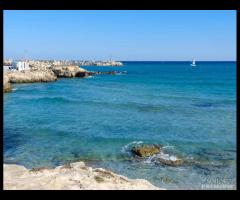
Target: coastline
73, 176
68, 177
204, 158
51, 74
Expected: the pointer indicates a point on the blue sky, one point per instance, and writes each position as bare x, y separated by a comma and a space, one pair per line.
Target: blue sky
122, 35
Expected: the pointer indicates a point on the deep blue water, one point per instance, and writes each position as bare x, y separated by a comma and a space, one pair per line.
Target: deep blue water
190, 111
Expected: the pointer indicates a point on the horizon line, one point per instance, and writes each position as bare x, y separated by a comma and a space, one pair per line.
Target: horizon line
126, 60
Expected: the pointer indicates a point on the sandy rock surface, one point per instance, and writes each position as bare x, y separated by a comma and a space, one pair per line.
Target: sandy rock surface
69, 71
74, 176
31, 76
6, 85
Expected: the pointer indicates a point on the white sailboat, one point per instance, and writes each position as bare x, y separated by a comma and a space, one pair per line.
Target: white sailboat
193, 63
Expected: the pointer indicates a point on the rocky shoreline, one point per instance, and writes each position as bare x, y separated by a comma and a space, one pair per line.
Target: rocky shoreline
78, 176
6, 85
31, 76
48, 75
74, 176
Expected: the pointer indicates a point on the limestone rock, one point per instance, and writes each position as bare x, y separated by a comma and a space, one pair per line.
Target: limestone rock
74, 176
6, 85
68, 71
31, 76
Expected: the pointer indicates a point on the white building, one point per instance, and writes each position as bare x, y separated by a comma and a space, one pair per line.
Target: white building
21, 65
57, 62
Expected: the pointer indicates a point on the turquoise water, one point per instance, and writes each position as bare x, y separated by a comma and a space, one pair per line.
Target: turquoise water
191, 112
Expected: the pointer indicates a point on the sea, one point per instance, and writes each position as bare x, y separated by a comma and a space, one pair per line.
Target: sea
189, 111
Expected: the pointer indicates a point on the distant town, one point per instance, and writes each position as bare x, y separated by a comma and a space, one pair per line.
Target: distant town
19, 65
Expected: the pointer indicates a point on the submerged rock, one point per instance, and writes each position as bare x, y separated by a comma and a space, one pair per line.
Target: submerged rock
145, 150
169, 160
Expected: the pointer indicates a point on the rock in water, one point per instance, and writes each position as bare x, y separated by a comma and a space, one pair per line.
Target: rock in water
157, 155
146, 150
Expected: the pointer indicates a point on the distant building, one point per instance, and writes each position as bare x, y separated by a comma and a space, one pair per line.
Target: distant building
7, 62
21, 65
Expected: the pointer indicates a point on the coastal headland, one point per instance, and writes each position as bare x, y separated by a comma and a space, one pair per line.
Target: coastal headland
74, 176
52, 73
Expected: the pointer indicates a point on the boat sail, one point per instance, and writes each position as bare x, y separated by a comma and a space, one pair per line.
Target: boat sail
193, 63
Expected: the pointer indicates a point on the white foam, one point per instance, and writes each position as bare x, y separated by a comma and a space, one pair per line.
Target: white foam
127, 147
90, 77
168, 147
149, 160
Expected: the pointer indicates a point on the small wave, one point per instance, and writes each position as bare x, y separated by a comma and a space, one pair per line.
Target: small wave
120, 74
90, 77
189, 158
149, 160
203, 105
127, 147
166, 156
53, 100
181, 169
168, 147
156, 158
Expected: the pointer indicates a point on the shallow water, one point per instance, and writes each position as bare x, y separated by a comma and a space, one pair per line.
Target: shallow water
191, 112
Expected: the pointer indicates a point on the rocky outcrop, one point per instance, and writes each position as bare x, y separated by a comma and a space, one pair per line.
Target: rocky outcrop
146, 150
69, 71
156, 155
6, 85
75, 176
31, 76
48, 74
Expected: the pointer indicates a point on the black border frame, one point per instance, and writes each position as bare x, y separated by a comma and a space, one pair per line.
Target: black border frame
121, 5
